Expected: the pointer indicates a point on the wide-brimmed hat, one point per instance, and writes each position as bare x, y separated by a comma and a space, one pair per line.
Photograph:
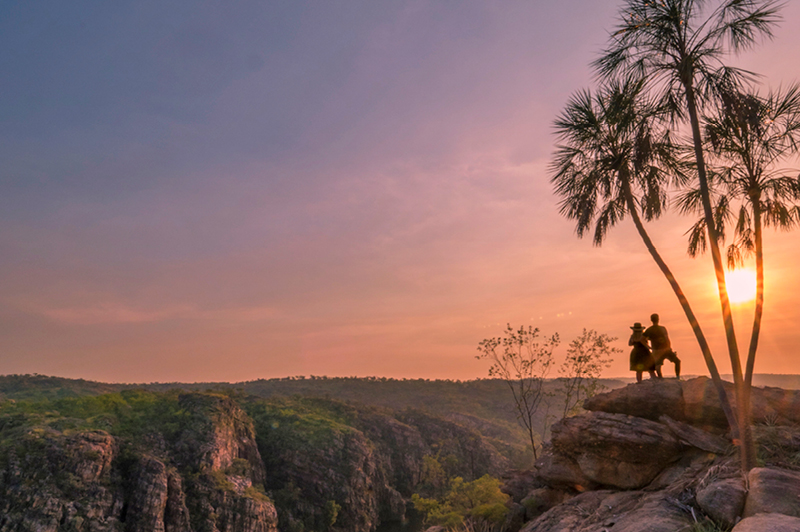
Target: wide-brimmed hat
637, 327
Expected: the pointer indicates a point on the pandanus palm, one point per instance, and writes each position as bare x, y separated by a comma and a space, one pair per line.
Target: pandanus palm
748, 137
613, 160
679, 47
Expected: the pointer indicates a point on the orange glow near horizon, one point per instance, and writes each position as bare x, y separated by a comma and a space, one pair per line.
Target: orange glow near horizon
741, 285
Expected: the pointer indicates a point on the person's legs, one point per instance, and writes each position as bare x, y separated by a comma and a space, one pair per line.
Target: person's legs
638, 376
672, 356
653, 375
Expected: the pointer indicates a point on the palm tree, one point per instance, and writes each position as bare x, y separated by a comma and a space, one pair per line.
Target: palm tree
614, 161
679, 47
747, 137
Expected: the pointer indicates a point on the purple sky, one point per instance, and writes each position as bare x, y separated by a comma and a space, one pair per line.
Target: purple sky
230, 191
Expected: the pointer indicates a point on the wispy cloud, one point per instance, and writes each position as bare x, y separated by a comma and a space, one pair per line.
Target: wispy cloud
118, 313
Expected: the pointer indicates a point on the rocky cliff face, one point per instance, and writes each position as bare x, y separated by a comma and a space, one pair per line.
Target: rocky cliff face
204, 462
339, 466
201, 477
654, 456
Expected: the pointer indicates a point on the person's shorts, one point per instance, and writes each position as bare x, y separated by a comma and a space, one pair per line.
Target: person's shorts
669, 354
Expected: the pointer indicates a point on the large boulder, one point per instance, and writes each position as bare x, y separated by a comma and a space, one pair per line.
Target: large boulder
776, 406
697, 438
656, 512
614, 449
559, 471
648, 399
702, 406
769, 405
628, 511
723, 500
695, 401
773, 491
768, 523
570, 516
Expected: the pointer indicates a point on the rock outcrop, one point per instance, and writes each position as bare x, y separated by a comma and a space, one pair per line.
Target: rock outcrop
655, 456
723, 500
209, 462
615, 449
365, 466
773, 491
696, 402
768, 523
90, 480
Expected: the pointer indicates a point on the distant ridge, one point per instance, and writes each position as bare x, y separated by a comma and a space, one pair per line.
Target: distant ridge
774, 380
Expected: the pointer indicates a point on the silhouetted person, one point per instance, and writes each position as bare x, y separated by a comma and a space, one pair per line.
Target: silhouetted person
641, 359
661, 346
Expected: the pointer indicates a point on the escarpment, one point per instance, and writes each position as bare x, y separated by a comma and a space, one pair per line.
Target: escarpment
197, 473
142, 461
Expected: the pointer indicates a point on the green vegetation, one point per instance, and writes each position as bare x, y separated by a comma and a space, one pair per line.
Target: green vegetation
483, 405
321, 453
128, 414
479, 501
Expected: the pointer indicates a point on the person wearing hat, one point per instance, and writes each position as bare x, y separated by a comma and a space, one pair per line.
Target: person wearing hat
641, 358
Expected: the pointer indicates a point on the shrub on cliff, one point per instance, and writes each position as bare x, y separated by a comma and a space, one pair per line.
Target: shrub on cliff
480, 501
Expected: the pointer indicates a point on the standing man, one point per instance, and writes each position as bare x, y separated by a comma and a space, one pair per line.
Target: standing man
661, 346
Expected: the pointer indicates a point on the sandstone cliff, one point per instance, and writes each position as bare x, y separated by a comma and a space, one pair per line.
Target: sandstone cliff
199, 474
362, 464
140, 461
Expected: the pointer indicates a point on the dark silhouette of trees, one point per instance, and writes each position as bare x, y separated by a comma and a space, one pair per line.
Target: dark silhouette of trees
614, 160
678, 46
747, 137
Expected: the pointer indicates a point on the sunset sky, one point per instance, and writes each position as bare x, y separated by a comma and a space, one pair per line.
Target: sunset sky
208, 190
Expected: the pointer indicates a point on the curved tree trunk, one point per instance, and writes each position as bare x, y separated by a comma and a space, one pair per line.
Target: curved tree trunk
687, 309
747, 445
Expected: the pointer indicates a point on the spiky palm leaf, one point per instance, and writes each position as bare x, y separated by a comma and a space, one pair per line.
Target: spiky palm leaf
679, 47
749, 138
607, 141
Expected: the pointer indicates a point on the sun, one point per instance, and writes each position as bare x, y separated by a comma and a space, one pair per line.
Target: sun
741, 285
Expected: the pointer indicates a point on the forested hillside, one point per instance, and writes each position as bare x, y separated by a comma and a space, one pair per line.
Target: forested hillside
143, 460
484, 405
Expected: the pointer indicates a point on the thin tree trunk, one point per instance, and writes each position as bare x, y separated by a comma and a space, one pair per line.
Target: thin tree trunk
687, 309
759, 311
747, 445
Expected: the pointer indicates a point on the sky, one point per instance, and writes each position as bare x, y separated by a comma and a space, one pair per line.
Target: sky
227, 191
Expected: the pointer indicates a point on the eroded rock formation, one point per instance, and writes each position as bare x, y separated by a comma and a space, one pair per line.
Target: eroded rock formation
656, 456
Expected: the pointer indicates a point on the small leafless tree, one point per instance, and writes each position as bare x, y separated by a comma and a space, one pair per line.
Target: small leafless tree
523, 361
587, 356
